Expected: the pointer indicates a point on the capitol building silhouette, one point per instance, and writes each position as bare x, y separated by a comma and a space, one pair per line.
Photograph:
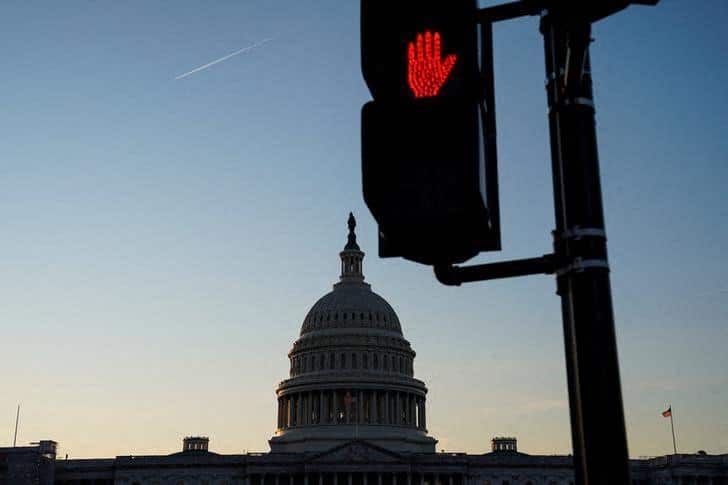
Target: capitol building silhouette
351, 412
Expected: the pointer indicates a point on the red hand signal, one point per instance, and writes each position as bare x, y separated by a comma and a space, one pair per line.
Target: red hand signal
426, 70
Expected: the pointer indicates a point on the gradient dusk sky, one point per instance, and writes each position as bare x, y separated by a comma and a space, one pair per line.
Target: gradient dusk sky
162, 239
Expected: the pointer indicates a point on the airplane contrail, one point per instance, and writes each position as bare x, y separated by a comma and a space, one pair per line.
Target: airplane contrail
224, 58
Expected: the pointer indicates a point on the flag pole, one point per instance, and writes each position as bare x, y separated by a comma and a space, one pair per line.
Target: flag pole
672, 425
17, 417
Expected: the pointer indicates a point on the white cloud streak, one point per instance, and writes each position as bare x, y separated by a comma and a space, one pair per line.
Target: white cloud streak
224, 58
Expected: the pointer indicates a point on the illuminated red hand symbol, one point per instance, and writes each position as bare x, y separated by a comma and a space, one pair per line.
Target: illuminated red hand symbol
426, 70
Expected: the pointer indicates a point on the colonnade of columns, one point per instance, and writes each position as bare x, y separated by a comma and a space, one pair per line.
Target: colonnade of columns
350, 406
356, 478
697, 480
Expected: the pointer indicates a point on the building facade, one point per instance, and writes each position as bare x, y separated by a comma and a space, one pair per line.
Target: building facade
351, 412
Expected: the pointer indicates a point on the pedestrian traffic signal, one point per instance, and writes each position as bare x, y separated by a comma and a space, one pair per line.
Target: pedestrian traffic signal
427, 70
409, 41
428, 137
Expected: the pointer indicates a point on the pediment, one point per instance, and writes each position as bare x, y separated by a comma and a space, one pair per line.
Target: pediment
356, 452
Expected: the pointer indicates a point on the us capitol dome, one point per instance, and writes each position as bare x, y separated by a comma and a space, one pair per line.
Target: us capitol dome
351, 373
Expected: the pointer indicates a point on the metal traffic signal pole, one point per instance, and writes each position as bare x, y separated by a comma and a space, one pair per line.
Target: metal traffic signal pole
580, 246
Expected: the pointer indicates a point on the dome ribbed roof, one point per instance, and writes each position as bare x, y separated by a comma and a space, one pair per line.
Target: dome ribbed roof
351, 305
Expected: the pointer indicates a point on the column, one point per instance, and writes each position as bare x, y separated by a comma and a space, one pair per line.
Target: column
279, 413
413, 410
347, 410
284, 413
449, 480
394, 479
299, 410
397, 408
305, 479
409, 478
335, 407
365, 479
278, 479
424, 414
435, 479
409, 409
336, 478
322, 409
289, 411
388, 406
303, 418
422, 478
379, 479
349, 481
247, 479
373, 408
360, 407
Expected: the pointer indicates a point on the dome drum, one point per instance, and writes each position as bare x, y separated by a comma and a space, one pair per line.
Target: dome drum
366, 361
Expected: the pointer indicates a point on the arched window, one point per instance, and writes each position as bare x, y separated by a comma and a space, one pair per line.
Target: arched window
401, 364
375, 361
322, 362
353, 361
386, 362
343, 361
332, 360
365, 361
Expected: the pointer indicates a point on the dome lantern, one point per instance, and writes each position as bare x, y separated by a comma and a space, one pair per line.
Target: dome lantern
351, 256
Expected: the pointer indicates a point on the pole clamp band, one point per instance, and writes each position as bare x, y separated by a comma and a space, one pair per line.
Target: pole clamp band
580, 232
578, 265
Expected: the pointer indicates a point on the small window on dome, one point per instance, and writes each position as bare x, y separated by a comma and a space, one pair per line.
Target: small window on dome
361, 316
375, 361
365, 361
401, 364
353, 361
321, 362
331, 360
345, 316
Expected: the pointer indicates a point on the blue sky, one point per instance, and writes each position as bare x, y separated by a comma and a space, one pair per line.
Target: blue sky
163, 239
